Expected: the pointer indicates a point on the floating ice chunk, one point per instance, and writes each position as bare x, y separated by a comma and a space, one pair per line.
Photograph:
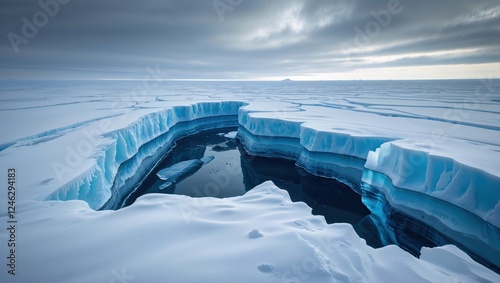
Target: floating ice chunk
165, 185
231, 135
207, 159
179, 170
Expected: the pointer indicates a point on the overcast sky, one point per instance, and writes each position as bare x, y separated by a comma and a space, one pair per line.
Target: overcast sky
250, 39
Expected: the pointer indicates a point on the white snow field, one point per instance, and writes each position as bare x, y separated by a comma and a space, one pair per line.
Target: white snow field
430, 149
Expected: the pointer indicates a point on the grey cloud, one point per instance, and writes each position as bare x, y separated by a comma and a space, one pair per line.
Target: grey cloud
257, 38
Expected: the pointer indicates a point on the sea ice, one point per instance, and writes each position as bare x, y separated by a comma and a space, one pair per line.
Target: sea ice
431, 155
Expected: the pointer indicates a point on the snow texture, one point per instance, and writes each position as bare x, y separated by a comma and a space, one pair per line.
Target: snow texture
175, 238
165, 185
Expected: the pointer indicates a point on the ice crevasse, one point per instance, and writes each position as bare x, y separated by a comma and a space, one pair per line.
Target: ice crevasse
129, 151
435, 184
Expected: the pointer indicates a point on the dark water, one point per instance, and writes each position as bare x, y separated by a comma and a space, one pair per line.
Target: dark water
233, 172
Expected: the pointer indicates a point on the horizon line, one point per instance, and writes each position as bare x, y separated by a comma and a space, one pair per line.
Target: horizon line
250, 80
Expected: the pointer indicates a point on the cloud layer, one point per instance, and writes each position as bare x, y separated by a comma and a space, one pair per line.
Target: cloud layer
250, 39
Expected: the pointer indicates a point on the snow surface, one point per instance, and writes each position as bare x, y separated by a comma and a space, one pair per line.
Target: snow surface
259, 237
74, 144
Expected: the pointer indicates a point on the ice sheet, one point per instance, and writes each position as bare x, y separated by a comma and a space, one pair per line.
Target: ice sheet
79, 140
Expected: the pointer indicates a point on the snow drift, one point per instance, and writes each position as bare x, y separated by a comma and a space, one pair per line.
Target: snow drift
249, 238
